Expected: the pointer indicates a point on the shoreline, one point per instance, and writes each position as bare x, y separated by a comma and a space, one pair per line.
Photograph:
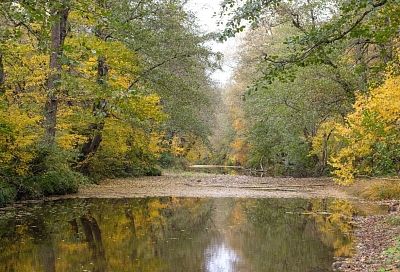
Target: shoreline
374, 236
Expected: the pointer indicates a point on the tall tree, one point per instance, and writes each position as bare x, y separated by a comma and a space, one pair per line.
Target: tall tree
59, 28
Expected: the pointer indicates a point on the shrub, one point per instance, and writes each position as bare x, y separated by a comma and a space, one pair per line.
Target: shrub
370, 136
7, 193
152, 171
60, 182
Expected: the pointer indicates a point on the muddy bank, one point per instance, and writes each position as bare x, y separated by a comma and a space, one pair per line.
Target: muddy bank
210, 185
374, 236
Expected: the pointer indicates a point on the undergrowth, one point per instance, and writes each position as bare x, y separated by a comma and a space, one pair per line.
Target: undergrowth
378, 190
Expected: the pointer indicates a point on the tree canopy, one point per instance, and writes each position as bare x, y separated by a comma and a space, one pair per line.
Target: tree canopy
308, 72
99, 88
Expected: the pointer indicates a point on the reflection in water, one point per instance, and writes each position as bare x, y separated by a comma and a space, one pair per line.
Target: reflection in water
177, 234
220, 258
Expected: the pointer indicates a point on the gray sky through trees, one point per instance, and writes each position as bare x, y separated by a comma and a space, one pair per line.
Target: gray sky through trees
204, 10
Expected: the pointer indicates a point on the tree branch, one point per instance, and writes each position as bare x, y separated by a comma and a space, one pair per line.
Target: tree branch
146, 72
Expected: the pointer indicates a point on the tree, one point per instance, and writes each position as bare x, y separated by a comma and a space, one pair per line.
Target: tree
98, 88
310, 60
369, 27
60, 11
370, 136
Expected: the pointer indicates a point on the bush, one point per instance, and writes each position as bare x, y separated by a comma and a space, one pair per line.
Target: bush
152, 171
370, 138
106, 165
51, 182
169, 161
27, 188
7, 193
60, 182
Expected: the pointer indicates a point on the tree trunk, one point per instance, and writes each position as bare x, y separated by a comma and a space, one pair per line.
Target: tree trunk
2, 75
96, 130
325, 153
58, 34
99, 109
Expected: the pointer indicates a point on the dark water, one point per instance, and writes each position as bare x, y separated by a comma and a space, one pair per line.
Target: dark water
177, 234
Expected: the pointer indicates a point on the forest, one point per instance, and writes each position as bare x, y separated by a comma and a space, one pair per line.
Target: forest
101, 89
316, 91
96, 89
199, 135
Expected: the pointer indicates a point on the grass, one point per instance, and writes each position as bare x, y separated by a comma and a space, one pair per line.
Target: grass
393, 220
377, 189
393, 256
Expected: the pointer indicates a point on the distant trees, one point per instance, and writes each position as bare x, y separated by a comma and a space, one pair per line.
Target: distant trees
308, 60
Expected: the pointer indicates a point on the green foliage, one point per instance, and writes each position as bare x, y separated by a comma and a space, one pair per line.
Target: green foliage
7, 193
303, 68
393, 220
59, 182
323, 25
105, 165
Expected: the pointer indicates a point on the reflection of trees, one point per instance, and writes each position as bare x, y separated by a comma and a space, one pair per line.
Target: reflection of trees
292, 235
44, 242
333, 224
109, 235
93, 238
171, 234
19, 240
274, 240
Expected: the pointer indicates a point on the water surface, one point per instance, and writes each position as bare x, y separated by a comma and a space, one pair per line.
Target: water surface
178, 234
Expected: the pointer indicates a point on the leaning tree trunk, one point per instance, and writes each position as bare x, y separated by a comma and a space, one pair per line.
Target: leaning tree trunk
58, 34
95, 129
93, 142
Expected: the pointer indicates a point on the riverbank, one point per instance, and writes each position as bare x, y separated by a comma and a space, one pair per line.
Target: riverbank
188, 184
376, 237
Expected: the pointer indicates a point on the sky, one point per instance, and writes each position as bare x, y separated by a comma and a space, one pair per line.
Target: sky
204, 11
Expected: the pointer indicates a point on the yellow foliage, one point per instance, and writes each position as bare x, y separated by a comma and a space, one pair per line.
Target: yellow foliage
199, 151
176, 146
26, 66
239, 151
85, 50
16, 146
375, 120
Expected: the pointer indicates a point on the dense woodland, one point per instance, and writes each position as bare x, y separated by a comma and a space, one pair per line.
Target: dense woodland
317, 88
105, 88
95, 89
